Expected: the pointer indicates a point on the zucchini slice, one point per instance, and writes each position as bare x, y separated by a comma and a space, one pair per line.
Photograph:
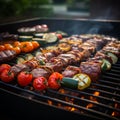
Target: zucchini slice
40, 40
50, 37
28, 56
38, 35
20, 60
113, 57
25, 38
106, 65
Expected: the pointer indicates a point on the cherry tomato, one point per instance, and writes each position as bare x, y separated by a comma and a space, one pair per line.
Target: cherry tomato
17, 50
40, 83
17, 44
27, 47
35, 44
7, 76
59, 36
4, 66
8, 46
24, 78
54, 80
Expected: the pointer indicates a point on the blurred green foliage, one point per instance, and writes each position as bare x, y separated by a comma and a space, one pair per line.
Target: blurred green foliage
10, 8
78, 5
74, 1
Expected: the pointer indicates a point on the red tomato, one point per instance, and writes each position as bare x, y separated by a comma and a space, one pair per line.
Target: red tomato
40, 83
4, 66
59, 36
54, 80
8, 46
7, 76
24, 78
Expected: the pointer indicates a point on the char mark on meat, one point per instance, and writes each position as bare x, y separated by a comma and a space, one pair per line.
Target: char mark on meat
18, 68
92, 69
70, 71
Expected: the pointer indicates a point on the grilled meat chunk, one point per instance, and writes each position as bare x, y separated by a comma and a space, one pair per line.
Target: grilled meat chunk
71, 58
64, 61
56, 66
77, 53
88, 46
41, 57
43, 71
85, 54
17, 68
49, 55
70, 71
112, 49
31, 64
102, 54
92, 69
7, 55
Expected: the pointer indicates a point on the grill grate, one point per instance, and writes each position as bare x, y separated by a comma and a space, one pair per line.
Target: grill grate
100, 101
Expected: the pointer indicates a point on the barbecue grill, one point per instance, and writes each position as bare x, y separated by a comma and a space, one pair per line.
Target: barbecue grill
100, 101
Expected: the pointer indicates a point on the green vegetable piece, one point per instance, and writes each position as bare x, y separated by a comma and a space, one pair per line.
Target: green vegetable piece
69, 82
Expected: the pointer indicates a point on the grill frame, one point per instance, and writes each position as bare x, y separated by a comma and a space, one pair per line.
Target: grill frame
23, 95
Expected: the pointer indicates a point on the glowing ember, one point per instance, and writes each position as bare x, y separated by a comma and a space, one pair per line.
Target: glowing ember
50, 102
62, 91
82, 97
59, 105
96, 93
93, 98
70, 108
73, 109
115, 113
90, 105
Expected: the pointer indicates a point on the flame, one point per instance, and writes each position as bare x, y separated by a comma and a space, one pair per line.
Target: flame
93, 98
62, 91
67, 99
59, 105
82, 97
73, 109
50, 102
70, 108
90, 105
115, 113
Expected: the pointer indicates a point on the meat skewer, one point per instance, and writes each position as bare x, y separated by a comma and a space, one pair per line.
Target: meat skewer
57, 62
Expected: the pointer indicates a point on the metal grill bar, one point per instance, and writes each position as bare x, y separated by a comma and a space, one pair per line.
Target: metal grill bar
110, 83
89, 101
100, 97
105, 92
112, 74
106, 87
115, 71
110, 78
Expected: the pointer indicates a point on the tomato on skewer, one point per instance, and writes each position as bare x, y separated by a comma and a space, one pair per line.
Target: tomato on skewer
4, 66
24, 78
7, 76
54, 81
40, 83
